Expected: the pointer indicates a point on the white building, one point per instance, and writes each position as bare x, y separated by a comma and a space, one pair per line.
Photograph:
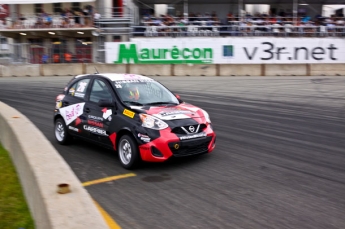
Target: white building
56, 31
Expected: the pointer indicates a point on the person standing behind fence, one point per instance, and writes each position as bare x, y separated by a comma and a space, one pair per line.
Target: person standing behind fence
82, 18
86, 15
48, 20
68, 57
76, 16
56, 58
96, 18
44, 58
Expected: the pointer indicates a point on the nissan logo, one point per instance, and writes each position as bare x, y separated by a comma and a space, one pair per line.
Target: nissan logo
191, 129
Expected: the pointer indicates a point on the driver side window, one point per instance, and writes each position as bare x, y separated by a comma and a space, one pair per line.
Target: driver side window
79, 88
99, 91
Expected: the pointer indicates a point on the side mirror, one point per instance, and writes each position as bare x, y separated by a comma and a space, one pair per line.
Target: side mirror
178, 98
106, 103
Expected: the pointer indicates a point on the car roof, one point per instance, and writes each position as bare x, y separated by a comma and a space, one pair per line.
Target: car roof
121, 76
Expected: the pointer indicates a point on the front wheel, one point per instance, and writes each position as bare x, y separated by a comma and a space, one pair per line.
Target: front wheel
60, 131
128, 152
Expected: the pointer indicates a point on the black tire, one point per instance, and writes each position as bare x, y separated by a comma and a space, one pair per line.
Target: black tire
61, 132
128, 152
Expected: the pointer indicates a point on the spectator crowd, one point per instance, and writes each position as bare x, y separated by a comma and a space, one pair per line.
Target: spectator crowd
66, 18
197, 24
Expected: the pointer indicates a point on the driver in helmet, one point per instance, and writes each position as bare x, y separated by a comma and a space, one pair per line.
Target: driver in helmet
133, 93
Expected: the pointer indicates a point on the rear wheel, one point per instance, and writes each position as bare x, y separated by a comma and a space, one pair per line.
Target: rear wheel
128, 152
60, 131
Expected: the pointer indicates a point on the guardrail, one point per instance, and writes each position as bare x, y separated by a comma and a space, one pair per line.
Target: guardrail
238, 30
48, 21
41, 169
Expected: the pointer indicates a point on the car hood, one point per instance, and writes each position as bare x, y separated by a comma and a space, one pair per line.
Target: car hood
168, 112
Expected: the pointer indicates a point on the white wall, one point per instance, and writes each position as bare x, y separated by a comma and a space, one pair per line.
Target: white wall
27, 9
328, 10
257, 8
161, 9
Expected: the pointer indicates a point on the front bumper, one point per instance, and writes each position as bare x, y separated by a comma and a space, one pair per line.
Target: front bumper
169, 145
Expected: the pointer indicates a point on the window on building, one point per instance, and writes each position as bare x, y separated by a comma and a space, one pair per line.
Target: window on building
57, 7
38, 8
37, 41
76, 6
3, 43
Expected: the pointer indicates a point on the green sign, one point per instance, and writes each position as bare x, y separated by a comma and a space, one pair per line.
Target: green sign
175, 55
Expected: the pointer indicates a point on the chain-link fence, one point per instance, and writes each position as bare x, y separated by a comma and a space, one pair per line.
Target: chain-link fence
55, 52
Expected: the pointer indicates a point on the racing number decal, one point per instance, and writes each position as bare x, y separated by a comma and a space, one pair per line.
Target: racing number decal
128, 113
82, 86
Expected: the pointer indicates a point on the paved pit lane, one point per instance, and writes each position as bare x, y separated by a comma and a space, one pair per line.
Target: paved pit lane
279, 161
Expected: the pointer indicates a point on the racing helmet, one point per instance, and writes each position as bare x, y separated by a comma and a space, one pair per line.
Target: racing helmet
133, 92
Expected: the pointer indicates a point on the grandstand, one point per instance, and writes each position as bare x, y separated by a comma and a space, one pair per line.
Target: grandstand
243, 18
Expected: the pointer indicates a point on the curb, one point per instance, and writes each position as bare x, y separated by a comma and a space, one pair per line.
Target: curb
40, 169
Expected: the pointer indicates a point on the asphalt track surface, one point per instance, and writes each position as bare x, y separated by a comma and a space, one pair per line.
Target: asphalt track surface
279, 160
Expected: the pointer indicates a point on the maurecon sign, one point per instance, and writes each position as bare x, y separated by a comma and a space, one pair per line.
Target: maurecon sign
128, 52
226, 50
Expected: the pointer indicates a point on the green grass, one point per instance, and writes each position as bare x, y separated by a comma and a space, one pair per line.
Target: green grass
14, 212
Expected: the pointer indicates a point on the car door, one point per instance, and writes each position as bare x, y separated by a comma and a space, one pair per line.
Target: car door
73, 106
98, 118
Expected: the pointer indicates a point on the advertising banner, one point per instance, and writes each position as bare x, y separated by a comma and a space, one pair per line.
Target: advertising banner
239, 50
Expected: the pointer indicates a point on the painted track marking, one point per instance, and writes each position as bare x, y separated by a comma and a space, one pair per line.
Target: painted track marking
106, 179
107, 218
110, 222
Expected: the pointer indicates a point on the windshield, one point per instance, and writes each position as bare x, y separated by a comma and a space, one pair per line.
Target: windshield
144, 92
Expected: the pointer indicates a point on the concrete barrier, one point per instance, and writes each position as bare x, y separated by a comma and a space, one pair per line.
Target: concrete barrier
150, 69
105, 68
61, 69
41, 169
19, 70
240, 70
285, 69
194, 70
327, 69
175, 70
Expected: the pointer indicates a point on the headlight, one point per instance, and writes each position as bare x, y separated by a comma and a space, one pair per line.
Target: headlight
207, 117
151, 122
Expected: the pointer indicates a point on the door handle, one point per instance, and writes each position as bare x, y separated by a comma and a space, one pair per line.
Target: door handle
87, 110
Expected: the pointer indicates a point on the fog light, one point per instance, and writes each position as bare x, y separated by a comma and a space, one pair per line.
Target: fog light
155, 152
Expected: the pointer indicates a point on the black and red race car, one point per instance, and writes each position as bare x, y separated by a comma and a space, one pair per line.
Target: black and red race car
134, 115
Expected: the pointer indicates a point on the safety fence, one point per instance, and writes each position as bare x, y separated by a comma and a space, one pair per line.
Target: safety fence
55, 52
47, 21
239, 30
65, 19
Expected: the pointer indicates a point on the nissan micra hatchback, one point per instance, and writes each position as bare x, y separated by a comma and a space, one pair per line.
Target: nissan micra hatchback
134, 115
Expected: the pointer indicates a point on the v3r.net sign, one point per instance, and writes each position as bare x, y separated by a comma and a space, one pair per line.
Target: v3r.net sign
226, 50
